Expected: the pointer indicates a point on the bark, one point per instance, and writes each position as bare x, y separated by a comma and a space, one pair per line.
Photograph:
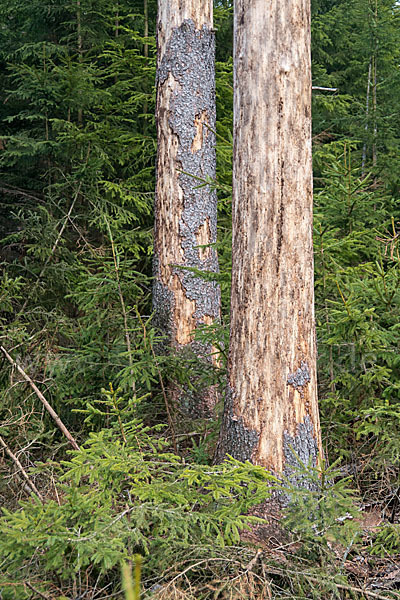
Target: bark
271, 409
185, 214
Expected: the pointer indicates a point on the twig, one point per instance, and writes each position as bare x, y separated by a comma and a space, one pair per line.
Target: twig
13, 191
30, 483
364, 152
341, 586
96, 533
278, 571
254, 560
351, 588
38, 592
200, 562
39, 394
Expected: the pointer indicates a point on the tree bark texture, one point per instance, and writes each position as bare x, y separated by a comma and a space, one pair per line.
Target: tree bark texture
185, 214
271, 410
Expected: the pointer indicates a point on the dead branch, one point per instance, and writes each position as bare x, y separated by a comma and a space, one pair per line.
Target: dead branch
39, 394
15, 460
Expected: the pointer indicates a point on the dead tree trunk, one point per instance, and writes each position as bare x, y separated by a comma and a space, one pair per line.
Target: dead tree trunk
185, 214
271, 410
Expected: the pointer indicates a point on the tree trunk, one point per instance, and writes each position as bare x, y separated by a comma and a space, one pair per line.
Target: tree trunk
271, 409
185, 214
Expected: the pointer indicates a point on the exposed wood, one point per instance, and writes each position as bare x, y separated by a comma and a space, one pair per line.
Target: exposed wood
271, 410
185, 214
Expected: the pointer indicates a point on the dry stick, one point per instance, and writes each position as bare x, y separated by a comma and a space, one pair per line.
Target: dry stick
364, 152
374, 113
324, 89
38, 592
13, 191
31, 485
341, 586
164, 393
39, 394
358, 590
277, 571
191, 567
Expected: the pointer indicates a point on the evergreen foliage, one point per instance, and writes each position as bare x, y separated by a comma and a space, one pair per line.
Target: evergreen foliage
122, 494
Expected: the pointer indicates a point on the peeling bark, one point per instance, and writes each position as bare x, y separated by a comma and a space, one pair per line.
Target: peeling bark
271, 411
185, 215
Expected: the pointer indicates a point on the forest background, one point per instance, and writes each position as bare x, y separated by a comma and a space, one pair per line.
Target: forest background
77, 162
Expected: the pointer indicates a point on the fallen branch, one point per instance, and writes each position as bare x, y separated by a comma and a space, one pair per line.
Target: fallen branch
340, 586
273, 570
39, 394
30, 483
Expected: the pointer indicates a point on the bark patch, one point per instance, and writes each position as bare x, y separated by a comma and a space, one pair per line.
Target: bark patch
164, 302
300, 450
235, 436
300, 378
